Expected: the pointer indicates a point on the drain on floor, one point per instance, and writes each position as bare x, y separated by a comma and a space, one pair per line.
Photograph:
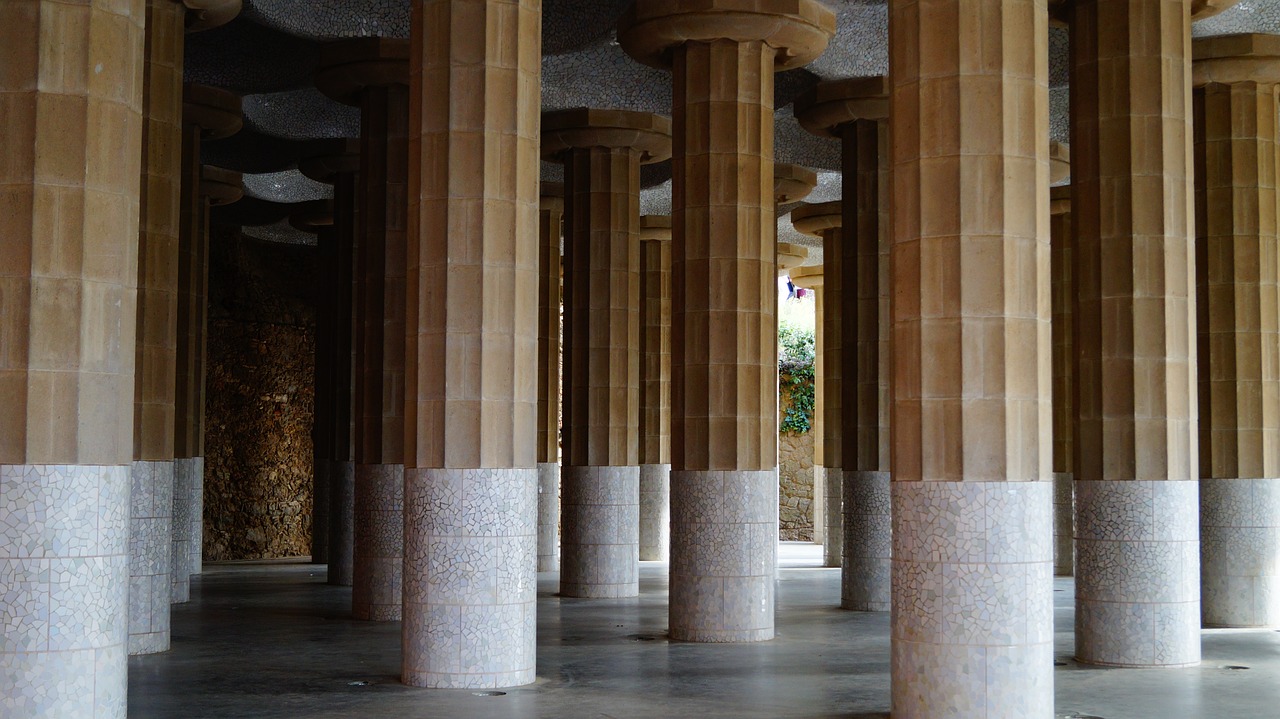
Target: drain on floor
1235, 667
1059, 663
643, 638
488, 694
360, 683
1077, 715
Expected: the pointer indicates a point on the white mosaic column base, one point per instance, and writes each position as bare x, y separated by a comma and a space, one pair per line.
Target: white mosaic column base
342, 498
972, 621
379, 542
180, 552
833, 510
64, 578
865, 576
197, 516
150, 542
1064, 524
1138, 573
600, 549
1240, 552
470, 577
724, 554
549, 517
655, 512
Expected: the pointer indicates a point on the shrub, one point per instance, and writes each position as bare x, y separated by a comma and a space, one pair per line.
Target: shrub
796, 377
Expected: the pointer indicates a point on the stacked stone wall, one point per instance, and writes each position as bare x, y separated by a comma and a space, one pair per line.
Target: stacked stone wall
795, 478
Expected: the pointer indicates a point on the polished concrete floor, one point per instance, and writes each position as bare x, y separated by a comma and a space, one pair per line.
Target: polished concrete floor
274, 641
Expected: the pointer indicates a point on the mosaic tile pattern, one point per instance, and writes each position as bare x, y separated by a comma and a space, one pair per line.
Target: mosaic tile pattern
150, 541
655, 512
470, 581
180, 550
281, 232
332, 19
342, 498
600, 518
1064, 524
972, 599
378, 553
1137, 573
549, 517
868, 542
833, 509
305, 114
197, 516
724, 555
285, 187
64, 583
249, 58
861, 45
1261, 16
1240, 552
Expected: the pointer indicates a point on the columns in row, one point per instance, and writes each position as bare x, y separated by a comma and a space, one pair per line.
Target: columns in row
1062, 291
550, 271
655, 388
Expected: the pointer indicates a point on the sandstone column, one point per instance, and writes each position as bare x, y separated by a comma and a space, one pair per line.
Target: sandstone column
550, 220
655, 388
1238, 300
471, 480
813, 278
790, 256
856, 112
1137, 534
69, 193
373, 74
724, 434
972, 620
602, 151
1062, 289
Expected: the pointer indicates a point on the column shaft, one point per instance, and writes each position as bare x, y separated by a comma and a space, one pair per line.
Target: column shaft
834, 296
655, 388
341, 469
550, 219
1062, 289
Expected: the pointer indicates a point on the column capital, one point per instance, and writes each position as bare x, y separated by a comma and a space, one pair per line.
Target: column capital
551, 196
826, 106
816, 219
222, 187
791, 256
1229, 59
312, 216
1201, 9
1059, 161
655, 228
645, 132
809, 277
208, 14
336, 157
792, 183
1060, 200
798, 29
215, 111
349, 67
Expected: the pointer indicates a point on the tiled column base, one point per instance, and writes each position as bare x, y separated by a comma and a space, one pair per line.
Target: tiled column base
868, 542
64, 570
972, 631
379, 542
819, 505
655, 512
180, 552
342, 498
470, 585
549, 517
197, 516
724, 550
833, 524
320, 511
1137, 573
150, 542
600, 550
1064, 524
1240, 552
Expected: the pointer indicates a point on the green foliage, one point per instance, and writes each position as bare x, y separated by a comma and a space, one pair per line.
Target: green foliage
796, 377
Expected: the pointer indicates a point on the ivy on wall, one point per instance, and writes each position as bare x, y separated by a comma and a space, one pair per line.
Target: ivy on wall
796, 377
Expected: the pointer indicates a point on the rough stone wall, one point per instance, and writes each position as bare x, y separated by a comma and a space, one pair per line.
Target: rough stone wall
795, 477
260, 399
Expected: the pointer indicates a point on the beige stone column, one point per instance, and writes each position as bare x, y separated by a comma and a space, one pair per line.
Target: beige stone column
72, 113
550, 222
471, 480
1137, 535
790, 256
972, 568
1062, 289
812, 278
856, 111
724, 503
602, 151
1238, 303
372, 73
655, 388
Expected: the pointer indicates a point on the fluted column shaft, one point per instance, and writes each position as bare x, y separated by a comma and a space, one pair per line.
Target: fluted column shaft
655, 388
342, 427
1137, 538
1062, 289
550, 222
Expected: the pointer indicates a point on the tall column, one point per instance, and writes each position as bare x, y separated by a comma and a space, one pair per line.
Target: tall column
1062, 289
1137, 534
372, 73
655, 388
813, 278
724, 433
471, 480
69, 194
1238, 300
207, 113
856, 111
602, 151
550, 220
972, 498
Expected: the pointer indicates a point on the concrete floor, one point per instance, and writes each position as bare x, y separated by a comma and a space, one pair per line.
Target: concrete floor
273, 641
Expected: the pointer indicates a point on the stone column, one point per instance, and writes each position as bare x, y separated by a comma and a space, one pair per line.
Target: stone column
69, 194
550, 219
856, 111
813, 278
1238, 300
790, 256
471, 480
602, 151
372, 73
972, 592
1062, 289
724, 498
1135, 456
655, 388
